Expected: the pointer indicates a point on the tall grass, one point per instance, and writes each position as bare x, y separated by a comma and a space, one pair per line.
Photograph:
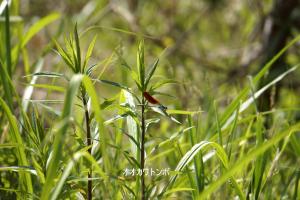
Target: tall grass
82, 147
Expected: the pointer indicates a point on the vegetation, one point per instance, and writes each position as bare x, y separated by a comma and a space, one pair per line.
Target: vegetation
148, 100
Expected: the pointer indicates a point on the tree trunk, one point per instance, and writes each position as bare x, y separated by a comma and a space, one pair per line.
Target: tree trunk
276, 33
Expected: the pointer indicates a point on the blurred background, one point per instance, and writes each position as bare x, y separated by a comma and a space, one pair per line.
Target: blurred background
209, 47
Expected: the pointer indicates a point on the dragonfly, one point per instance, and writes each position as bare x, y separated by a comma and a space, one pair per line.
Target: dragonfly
154, 101
159, 108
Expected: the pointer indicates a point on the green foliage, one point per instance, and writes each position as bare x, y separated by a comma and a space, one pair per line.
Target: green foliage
71, 125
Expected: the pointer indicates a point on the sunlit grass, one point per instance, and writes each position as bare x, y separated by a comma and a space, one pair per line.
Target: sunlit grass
81, 146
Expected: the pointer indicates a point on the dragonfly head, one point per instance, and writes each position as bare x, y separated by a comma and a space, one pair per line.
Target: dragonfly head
163, 107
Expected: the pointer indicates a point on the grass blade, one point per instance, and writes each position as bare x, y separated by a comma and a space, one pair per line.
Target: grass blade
24, 178
241, 163
39, 25
58, 140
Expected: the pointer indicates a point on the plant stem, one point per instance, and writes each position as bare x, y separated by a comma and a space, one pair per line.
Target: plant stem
89, 143
143, 150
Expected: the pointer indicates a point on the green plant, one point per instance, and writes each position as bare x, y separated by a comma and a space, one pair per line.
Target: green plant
71, 129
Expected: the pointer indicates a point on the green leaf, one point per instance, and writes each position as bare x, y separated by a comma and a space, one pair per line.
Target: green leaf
183, 112
107, 103
107, 63
95, 105
123, 61
39, 170
173, 138
135, 77
163, 112
49, 87
250, 100
188, 157
58, 139
3, 6
49, 109
296, 145
132, 126
39, 25
48, 75
161, 83
162, 154
141, 65
151, 72
24, 178
115, 118
19, 169
8, 145
70, 166
240, 164
89, 52
119, 85
65, 56
78, 53
8, 41
6, 85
